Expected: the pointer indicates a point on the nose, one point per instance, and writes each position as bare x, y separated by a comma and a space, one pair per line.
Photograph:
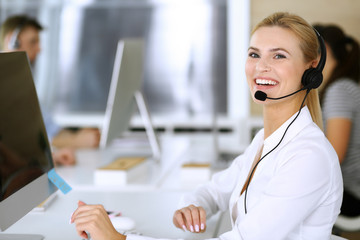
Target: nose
263, 65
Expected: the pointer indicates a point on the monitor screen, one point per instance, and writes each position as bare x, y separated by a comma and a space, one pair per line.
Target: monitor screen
126, 80
25, 154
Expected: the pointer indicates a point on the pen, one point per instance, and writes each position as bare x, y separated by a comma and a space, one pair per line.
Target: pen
113, 214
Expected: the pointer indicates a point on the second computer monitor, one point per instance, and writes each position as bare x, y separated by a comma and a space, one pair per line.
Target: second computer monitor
126, 81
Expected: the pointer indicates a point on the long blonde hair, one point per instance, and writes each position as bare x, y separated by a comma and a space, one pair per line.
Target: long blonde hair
309, 46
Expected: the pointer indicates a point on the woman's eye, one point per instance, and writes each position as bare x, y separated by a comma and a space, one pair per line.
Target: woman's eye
279, 56
253, 55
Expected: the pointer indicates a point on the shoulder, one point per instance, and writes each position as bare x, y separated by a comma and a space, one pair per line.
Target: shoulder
311, 149
343, 86
342, 99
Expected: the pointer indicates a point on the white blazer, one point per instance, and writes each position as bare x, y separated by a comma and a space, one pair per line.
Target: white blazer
295, 192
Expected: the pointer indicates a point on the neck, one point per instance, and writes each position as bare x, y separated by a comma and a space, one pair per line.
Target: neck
277, 113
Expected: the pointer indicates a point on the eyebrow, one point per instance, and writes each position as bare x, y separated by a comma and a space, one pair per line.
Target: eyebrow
271, 50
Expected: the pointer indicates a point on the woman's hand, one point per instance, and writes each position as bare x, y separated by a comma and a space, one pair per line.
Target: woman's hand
64, 156
190, 218
93, 219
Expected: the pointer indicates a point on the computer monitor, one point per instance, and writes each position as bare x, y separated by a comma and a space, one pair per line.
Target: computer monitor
125, 94
25, 154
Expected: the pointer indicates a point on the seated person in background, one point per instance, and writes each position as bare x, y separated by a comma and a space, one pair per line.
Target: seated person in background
21, 33
340, 101
287, 184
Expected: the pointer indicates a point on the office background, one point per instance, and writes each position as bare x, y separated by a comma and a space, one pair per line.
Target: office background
194, 49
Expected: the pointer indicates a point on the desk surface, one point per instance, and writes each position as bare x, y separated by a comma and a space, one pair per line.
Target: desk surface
143, 207
163, 174
151, 203
153, 198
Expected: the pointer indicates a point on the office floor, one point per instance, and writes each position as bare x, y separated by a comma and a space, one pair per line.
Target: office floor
351, 235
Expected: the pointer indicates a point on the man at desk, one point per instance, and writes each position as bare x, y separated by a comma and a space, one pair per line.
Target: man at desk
21, 33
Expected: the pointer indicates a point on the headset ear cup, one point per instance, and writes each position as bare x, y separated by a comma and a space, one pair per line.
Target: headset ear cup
312, 78
17, 44
14, 42
318, 78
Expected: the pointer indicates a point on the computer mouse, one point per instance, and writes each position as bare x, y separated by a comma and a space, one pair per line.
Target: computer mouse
123, 223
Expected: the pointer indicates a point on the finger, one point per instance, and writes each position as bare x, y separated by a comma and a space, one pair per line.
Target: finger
188, 218
65, 160
195, 214
82, 208
81, 231
81, 228
87, 209
202, 219
87, 217
69, 158
179, 220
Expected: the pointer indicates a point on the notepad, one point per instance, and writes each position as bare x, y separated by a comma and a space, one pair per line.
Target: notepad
121, 171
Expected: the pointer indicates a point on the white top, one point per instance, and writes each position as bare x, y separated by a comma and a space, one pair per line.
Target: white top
295, 193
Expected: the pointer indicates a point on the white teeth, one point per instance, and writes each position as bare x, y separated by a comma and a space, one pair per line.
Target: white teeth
265, 82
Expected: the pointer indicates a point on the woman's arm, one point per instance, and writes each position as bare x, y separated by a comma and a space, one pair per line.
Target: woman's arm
338, 131
83, 138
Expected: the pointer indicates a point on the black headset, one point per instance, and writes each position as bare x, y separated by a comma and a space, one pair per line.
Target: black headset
14, 42
313, 77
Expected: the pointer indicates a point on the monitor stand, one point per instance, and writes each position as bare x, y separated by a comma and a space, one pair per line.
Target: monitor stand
150, 132
15, 236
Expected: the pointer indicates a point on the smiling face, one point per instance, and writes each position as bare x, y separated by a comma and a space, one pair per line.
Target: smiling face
275, 63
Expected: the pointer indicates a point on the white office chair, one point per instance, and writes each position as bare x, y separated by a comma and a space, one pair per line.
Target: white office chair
334, 237
348, 224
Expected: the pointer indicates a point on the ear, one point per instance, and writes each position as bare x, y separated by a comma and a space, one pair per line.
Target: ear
314, 63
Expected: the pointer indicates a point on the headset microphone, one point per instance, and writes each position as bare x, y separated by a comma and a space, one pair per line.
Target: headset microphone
260, 95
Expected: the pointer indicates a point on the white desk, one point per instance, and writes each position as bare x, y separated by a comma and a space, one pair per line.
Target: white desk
176, 150
81, 176
151, 202
152, 212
